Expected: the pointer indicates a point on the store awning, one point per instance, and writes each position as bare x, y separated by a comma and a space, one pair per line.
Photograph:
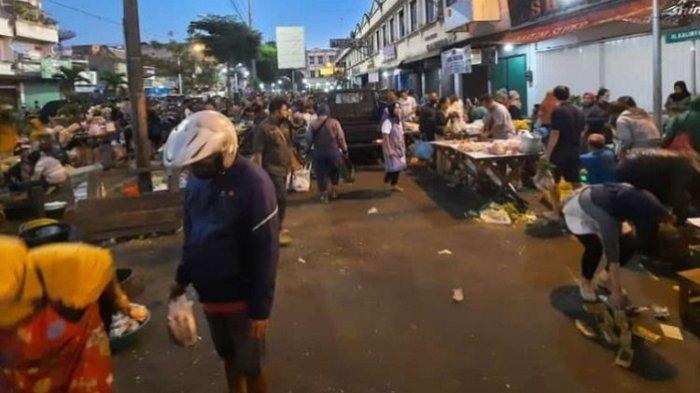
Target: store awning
631, 11
416, 61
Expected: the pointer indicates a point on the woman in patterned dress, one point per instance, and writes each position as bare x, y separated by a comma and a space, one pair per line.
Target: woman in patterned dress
51, 336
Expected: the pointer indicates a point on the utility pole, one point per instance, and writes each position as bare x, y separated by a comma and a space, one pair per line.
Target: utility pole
139, 124
656, 43
179, 75
253, 64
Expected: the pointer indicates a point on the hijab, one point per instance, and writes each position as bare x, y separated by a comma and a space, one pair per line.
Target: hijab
680, 96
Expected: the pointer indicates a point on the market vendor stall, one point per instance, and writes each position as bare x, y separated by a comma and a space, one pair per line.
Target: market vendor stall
501, 161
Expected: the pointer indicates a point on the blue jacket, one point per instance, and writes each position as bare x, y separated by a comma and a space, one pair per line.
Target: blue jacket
231, 244
600, 165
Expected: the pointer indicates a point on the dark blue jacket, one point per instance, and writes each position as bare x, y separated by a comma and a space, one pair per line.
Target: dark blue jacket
231, 244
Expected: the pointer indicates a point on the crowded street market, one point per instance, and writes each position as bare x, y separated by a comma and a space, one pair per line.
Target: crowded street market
360, 196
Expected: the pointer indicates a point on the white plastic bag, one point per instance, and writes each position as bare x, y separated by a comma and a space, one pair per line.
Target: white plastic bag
544, 180
181, 321
301, 180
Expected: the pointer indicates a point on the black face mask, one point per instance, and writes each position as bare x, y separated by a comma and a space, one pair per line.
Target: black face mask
209, 167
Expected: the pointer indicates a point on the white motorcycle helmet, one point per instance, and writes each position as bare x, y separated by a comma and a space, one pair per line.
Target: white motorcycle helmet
199, 136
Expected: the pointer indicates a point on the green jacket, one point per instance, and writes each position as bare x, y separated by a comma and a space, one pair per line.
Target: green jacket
688, 121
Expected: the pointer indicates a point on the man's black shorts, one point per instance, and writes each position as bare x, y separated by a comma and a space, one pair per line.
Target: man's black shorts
230, 333
568, 166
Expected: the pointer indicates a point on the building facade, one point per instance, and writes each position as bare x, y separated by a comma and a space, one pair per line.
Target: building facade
320, 68
27, 39
529, 46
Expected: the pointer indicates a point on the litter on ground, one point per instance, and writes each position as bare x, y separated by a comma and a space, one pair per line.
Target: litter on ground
373, 210
458, 295
671, 331
445, 252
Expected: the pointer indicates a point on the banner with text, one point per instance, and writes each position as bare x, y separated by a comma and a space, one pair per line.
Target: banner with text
457, 61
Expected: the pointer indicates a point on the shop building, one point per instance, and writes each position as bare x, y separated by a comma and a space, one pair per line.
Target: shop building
400, 42
319, 73
27, 38
591, 44
529, 46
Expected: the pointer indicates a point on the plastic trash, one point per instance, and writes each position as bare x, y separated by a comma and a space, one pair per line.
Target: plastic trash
181, 321
373, 210
445, 252
458, 295
495, 216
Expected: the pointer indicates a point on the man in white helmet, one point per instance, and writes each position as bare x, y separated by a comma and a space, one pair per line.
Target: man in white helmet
231, 244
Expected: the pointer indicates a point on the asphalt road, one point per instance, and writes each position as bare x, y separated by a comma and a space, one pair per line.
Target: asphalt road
364, 304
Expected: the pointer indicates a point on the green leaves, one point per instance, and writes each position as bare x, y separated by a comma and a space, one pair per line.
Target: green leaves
226, 38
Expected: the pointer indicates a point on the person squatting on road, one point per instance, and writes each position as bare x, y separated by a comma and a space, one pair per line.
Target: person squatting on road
327, 138
595, 214
231, 249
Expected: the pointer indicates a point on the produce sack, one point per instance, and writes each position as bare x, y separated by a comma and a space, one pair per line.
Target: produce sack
181, 321
424, 150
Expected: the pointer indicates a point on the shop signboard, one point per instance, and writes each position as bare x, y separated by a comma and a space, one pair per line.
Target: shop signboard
373, 77
327, 71
683, 35
457, 61
291, 47
462, 12
389, 52
526, 11
51, 67
342, 43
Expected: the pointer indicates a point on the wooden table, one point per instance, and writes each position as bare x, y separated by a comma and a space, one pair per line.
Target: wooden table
502, 170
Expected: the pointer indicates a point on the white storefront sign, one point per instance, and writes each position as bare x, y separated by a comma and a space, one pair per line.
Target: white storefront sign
457, 61
291, 47
373, 77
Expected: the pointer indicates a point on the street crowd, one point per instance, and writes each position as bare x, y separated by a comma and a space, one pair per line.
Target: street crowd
240, 154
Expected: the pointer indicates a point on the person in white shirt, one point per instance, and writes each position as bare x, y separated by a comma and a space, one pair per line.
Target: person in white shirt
49, 169
408, 105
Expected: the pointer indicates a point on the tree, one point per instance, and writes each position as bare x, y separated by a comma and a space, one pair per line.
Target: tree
68, 78
113, 80
267, 63
226, 38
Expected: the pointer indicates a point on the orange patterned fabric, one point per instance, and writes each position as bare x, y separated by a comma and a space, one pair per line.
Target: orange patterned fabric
48, 354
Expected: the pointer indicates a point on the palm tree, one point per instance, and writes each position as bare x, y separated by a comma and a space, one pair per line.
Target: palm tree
113, 80
68, 77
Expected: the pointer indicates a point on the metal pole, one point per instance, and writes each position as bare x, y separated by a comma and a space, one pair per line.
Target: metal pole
253, 63
179, 75
656, 43
693, 66
132, 37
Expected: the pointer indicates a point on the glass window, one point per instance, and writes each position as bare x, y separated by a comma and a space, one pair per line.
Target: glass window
312, 73
402, 24
392, 35
384, 36
311, 59
331, 58
413, 14
430, 11
320, 60
379, 45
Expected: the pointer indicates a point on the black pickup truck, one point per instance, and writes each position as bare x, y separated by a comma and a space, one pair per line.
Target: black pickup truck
359, 113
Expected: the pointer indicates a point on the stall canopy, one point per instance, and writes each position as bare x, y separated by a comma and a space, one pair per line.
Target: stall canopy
632, 11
